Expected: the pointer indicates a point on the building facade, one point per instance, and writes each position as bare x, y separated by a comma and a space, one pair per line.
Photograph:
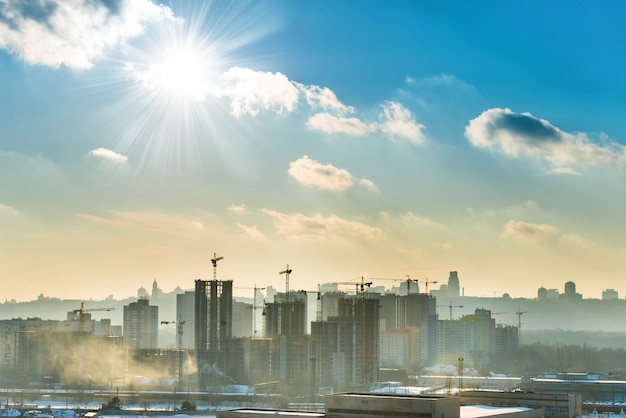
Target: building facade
141, 322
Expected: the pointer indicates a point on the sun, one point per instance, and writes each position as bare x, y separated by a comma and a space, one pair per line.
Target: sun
171, 107
182, 73
185, 69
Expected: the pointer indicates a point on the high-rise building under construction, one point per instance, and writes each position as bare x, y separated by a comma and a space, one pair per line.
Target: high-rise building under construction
346, 346
212, 326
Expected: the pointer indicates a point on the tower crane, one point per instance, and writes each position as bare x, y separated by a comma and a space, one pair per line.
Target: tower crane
254, 306
214, 260
408, 281
426, 282
408, 284
82, 315
179, 331
451, 306
360, 287
519, 324
286, 272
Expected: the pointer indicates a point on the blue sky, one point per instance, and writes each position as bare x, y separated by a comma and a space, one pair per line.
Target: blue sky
348, 139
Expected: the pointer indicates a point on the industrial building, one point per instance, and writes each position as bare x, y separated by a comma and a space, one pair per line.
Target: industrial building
590, 387
345, 405
366, 405
554, 405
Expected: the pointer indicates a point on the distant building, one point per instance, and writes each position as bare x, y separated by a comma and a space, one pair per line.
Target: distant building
213, 325
405, 311
242, 319
542, 294
570, 292
399, 347
472, 337
408, 286
142, 293
507, 338
286, 315
141, 325
610, 294
454, 288
285, 323
157, 293
271, 292
185, 311
346, 347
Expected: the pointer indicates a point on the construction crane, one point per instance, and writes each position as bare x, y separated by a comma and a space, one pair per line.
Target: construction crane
360, 286
408, 281
254, 306
426, 282
519, 324
214, 260
408, 284
451, 306
286, 272
82, 315
179, 338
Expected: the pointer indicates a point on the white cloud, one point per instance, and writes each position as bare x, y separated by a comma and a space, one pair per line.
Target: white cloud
251, 91
323, 97
237, 208
564, 170
523, 135
73, 33
108, 155
415, 218
396, 122
527, 231
251, 231
410, 218
573, 239
399, 122
161, 223
323, 176
7, 210
321, 228
331, 124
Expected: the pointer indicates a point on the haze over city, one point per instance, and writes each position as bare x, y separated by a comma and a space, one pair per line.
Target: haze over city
346, 139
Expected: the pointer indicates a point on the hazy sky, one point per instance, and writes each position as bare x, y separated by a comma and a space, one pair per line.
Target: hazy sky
344, 138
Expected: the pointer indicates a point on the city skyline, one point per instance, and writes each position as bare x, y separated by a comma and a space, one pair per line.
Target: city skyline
379, 140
